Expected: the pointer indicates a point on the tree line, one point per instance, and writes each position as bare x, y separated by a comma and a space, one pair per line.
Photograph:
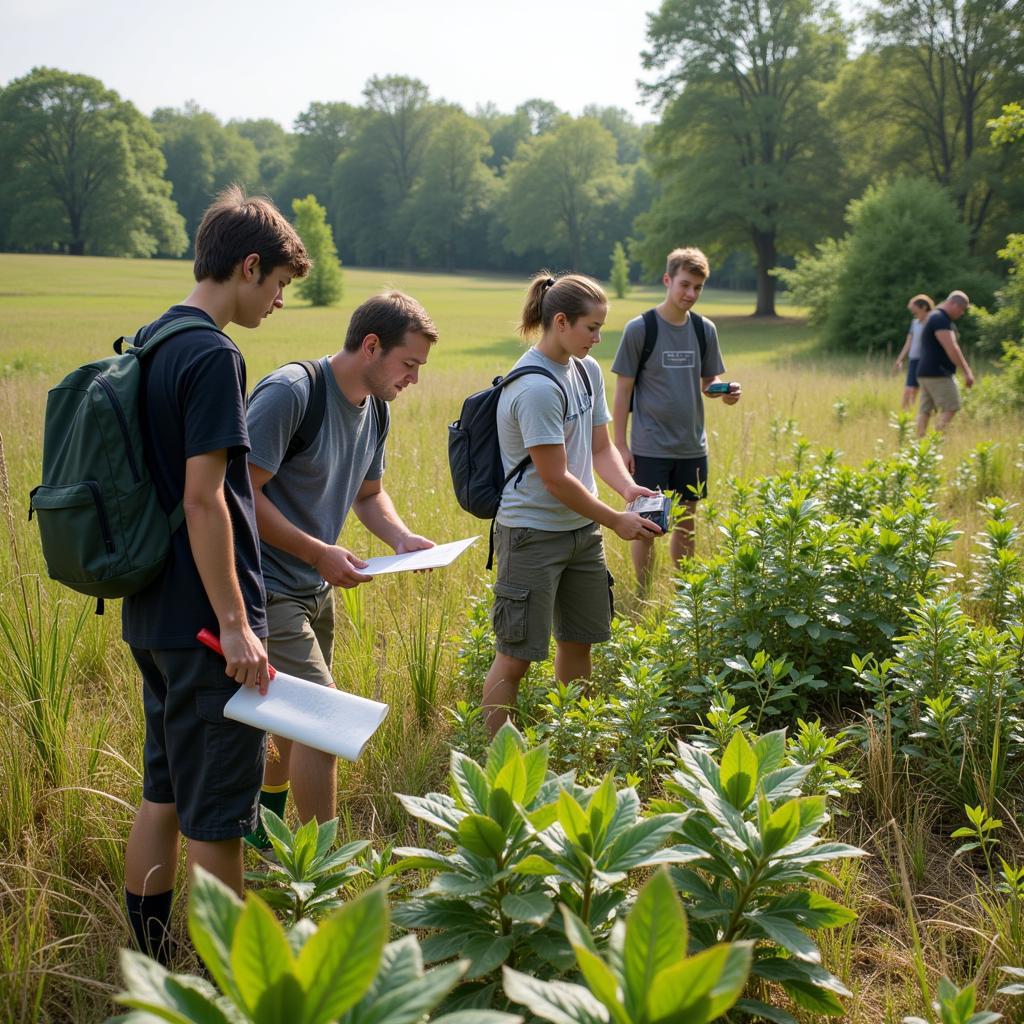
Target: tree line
773, 115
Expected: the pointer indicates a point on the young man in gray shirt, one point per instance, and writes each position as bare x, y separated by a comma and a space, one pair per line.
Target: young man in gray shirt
668, 446
302, 503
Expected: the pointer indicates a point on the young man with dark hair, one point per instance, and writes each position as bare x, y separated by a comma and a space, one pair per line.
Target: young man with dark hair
202, 772
668, 446
302, 502
936, 369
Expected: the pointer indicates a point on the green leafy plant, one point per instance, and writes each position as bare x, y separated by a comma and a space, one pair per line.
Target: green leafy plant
342, 971
980, 834
761, 865
645, 977
309, 876
522, 839
957, 1006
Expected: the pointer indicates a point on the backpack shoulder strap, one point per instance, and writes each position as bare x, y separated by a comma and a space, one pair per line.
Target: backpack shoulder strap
522, 371
313, 418
702, 335
175, 326
578, 363
650, 340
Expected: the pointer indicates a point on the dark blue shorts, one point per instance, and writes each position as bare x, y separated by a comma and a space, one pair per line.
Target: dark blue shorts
687, 477
912, 373
208, 766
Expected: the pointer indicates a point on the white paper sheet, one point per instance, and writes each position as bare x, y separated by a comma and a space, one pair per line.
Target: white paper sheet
317, 716
430, 558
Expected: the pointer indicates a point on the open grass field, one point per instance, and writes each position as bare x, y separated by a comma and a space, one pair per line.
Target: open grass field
70, 778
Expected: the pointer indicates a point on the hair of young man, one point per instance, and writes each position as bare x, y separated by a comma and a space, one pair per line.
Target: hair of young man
690, 259
959, 297
922, 301
572, 294
390, 316
235, 226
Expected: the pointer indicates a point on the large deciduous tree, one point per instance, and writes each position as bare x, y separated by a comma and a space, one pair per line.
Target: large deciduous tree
743, 152
455, 185
203, 156
559, 187
83, 171
951, 64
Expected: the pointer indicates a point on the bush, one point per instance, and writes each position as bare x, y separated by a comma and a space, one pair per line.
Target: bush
322, 286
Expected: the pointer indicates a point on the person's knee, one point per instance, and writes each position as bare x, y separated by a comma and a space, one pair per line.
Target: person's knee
508, 667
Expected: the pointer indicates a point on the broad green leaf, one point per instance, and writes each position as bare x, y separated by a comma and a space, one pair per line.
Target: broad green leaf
486, 953
536, 763
340, 856
512, 777
505, 743
627, 811
597, 974
529, 908
634, 846
417, 857
682, 991
544, 816
450, 884
601, 810
469, 782
435, 808
785, 933
400, 962
304, 850
790, 969
557, 1001
762, 1011
812, 910
817, 1000
656, 937
770, 751
436, 913
574, 820
213, 913
338, 963
502, 809
281, 1000
477, 1016
534, 864
482, 835
172, 998
259, 952
410, 1001
781, 828
732, 980
739, 772
443, 945
326, 834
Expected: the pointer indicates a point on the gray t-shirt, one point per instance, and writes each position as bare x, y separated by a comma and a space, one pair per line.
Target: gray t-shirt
314, 490
916, 330
531, 411
668, 405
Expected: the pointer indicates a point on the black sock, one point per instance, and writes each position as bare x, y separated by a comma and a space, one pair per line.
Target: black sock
150, 918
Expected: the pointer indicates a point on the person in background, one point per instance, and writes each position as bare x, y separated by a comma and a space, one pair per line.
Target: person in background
920, 306
940, 357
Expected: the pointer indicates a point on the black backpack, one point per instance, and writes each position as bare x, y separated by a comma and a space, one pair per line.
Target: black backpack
313, 418
474, 455
651, 339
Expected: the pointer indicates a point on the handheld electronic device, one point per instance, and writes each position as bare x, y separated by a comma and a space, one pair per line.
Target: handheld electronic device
720, 387
655, 508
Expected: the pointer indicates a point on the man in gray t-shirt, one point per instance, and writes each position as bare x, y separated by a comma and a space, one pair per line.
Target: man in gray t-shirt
668, 446
302, 503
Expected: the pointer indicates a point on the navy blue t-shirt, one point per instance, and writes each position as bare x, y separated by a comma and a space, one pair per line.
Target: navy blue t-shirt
194, 402
934, 361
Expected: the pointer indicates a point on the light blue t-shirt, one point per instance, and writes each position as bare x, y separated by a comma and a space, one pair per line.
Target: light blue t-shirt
315, 489
916, 331
531, 411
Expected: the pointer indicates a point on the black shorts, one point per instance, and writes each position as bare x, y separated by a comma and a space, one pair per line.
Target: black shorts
208, 766
687, 477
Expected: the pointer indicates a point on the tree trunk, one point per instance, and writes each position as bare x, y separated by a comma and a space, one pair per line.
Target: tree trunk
764, 249
77, 247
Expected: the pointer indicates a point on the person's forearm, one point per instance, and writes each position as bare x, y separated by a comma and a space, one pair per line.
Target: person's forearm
210, 538
276, 529
905, 350
378, 514
954, 352
611, 469
574, 496
620, 411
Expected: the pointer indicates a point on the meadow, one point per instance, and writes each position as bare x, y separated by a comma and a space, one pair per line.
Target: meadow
70, 716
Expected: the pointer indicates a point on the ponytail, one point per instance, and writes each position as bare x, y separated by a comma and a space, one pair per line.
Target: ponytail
571, 294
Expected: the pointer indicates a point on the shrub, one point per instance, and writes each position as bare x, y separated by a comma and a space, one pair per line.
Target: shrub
322, 286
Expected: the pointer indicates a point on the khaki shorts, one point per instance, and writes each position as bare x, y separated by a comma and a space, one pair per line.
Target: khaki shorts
547, 578
938, 393
302, 634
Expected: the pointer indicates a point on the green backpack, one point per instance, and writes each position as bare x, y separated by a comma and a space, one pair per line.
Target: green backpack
103, 530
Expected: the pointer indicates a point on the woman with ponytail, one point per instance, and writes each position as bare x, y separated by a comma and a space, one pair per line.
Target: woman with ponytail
547, 535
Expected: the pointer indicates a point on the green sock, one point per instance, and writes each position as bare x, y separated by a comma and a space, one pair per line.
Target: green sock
275, 798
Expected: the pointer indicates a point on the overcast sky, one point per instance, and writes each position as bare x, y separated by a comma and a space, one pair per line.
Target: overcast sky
254, 58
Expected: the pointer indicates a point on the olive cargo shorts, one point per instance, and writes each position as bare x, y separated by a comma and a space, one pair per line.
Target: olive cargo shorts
550, 577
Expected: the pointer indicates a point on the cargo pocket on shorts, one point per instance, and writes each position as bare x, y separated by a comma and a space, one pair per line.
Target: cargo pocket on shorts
509, 617
224, 769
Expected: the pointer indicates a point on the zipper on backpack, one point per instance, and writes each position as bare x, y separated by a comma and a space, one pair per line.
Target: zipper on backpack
101, 512
119, 413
